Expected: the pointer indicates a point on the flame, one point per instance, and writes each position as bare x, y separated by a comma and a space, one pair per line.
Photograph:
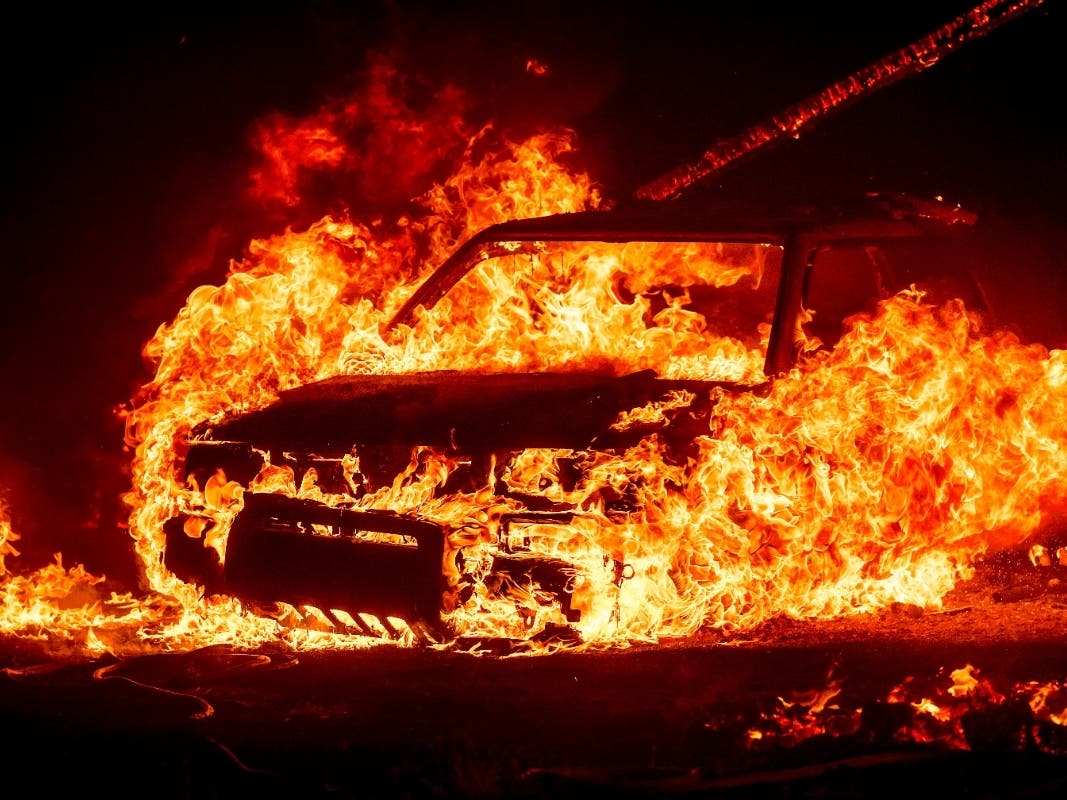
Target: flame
69, 609
964, 681
376, 125
872, 473
1030, 715
807, 714
535, 66
7, 536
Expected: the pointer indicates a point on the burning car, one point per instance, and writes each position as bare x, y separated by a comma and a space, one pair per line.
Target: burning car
344, 491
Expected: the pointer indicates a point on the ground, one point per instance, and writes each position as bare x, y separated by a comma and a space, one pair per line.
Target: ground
675, 718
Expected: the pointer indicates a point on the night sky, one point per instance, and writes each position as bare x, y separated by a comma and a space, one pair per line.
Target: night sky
124, 187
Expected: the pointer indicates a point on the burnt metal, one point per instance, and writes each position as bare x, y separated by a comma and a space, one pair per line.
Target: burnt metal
189, 559
530, 517
238, 460
457, 411
797, 258
272, 555
276, 550
553, 576
870, 219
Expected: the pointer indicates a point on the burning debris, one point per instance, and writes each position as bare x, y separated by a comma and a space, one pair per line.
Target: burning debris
829, 742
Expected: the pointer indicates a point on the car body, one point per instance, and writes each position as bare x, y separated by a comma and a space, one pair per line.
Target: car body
336, 553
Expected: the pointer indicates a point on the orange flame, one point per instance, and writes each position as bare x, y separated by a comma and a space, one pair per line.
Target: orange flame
933, 714
872, 473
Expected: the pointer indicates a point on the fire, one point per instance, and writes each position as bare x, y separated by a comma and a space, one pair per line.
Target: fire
874, 472
377, 123
537, 67
67, 607
923, 711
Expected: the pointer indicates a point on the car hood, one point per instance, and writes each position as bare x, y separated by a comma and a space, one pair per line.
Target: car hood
455, 410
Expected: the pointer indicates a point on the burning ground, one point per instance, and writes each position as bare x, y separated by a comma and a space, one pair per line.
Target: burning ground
918, 458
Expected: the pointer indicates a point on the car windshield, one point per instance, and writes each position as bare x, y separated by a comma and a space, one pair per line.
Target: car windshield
696, 310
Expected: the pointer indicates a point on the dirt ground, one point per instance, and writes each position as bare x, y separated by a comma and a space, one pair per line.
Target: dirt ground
674, 719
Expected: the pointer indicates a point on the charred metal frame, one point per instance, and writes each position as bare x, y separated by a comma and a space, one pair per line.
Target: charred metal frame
307, 554
800, 231
272, 555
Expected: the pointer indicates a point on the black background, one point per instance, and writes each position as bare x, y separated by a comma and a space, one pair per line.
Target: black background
127, 140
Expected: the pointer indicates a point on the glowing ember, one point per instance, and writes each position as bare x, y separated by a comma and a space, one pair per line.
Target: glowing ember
873, 472
950, 713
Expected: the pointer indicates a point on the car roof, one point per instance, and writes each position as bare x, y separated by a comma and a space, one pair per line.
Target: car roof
870, 218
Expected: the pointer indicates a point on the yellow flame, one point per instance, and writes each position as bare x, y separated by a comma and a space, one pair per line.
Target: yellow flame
873, 472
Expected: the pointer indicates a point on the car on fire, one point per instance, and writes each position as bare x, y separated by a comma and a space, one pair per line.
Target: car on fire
367, 569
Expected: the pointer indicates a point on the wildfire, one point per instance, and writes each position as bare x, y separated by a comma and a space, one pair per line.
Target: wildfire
872, 473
